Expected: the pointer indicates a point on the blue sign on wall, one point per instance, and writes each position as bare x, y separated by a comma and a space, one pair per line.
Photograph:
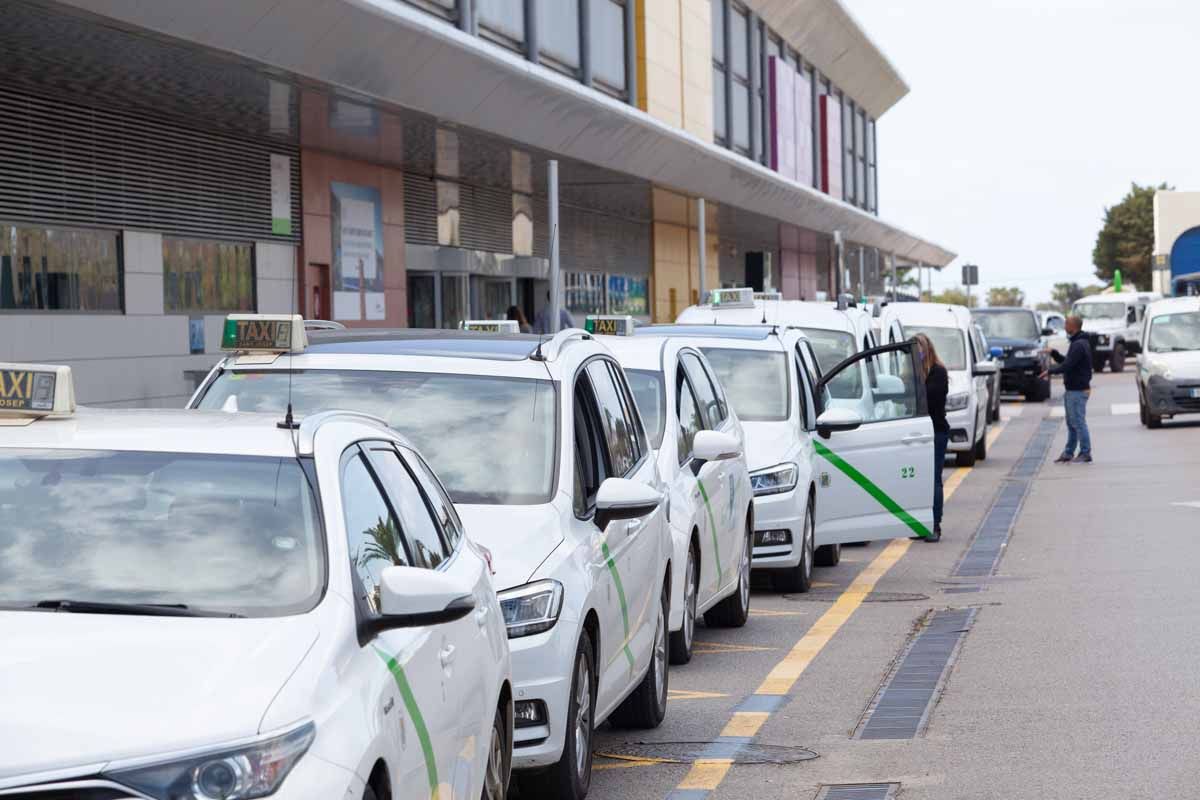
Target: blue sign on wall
1185, 254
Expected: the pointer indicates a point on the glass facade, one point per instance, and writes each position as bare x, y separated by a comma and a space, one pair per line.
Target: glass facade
558, 32
606, 20
59, 269
504, 19
207, 276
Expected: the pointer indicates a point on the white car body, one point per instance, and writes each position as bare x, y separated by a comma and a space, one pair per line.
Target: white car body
1114, 335
1168, 377
612, 581
709, 502
968, 370
1056, 323
89, 696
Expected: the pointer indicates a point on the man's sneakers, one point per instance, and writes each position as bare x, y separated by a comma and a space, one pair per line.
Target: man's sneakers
1082, 458
1065, 458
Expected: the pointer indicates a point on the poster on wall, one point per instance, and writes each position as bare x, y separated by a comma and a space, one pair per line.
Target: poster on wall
281, 195
628, 295
357, 253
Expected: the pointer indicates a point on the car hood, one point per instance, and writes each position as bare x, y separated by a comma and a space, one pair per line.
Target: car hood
1014, 344
80, 690
768, 443
1104, 325
1183, 366
519, 537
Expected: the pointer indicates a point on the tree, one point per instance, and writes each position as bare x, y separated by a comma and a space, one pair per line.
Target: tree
1044, 306
957, 297
1005, 296
1064, 295
1126, 241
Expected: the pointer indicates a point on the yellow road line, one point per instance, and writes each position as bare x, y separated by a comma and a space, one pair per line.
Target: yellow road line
745, 723
995, 432
707, 773
629, 762
951, 483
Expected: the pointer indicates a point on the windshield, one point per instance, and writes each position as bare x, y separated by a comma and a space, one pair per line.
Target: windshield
1171, 333
1099, 310
491, 440
949, 343
648, 392
1015, 324
755, 381
222, 534
831, 347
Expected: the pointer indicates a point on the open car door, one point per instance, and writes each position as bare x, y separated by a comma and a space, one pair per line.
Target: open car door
876, 476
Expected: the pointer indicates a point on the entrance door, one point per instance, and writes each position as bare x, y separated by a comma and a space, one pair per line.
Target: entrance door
422, 300
491, 297
454, 300
877, 480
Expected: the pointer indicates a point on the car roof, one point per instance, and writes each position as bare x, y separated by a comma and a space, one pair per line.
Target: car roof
639, 352
1174, 305
934, 314
794, 313
1120, 297
157, 430
425, 342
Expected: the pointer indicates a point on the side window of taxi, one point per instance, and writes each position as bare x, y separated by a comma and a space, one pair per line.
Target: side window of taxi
706, 396
443, 507
891, 394
416, 517
807, 394
372, 532
621, 430
688, 411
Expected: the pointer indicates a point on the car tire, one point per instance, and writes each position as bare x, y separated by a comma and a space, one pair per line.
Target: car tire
798, 579
828, 555
733, 611
571, 777
1117, 362
981, 446
499, 764
1098, 362
1143, 414
646, 707
966, 458
681, 640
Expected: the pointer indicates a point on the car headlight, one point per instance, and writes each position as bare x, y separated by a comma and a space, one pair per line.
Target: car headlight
957, 402
774, 480
240, 773
1160, 370
1102, 338
531, 608
1026, 353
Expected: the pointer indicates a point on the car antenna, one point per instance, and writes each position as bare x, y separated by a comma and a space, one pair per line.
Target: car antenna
289, 422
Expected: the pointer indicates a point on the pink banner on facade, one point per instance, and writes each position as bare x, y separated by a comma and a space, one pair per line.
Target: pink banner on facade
804, 130
783, 118
831, 146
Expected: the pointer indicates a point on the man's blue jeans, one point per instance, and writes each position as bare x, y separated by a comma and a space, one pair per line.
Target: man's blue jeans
1077, 429
940, 443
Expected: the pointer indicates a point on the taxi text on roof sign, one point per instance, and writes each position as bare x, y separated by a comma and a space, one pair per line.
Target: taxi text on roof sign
491, 325
263, 333
768, 295
28, 391
732, 298
609, 325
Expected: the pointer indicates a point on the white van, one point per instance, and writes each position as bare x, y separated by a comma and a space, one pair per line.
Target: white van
1114, 321
953, 334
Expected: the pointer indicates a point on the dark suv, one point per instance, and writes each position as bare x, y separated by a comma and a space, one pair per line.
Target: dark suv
1016, 331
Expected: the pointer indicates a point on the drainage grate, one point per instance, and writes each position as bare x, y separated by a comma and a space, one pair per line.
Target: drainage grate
983, 556
859, 791
737, 749
901, 707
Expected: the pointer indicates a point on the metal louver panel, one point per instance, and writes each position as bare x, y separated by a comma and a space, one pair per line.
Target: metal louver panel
420, 209
486, 219
63, 162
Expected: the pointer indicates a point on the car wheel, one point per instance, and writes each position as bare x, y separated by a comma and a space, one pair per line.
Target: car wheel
1098, 362
1117, 364
681, 640
981, 446
965, 459
798, 579
571, 777
733, 611
496, 774
646, 707
828, 555
1153, 421
1142, 413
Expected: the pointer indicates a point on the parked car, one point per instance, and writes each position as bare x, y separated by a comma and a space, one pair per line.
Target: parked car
1017, 333
1114, 323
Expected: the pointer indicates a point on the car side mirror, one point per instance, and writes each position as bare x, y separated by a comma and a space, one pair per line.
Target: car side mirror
889, 387
619, 498
411, 597
1047, 331
835, 420
715, 446
996, 352
983, 368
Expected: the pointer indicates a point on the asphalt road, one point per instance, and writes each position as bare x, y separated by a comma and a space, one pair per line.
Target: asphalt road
1077, 679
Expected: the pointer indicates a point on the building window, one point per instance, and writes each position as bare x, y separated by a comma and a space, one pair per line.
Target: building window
860, 161
817, 91
718, 57
583, 292
872, 170
847, 106
606, 22
503, 21
558, 31
59, 269
203, 275
739, 64
447, 9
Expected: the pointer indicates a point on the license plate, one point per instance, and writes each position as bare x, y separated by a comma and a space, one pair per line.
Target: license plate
1194, 392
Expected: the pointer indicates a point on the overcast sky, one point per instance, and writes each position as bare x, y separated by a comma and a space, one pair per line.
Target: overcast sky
1026, 118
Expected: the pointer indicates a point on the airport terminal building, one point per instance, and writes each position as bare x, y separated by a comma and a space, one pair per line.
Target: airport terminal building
384, 163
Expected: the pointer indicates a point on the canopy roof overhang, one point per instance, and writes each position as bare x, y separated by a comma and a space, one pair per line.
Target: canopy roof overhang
388, 53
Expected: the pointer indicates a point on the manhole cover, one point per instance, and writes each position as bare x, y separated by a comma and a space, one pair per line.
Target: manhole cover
688, 752
831, 595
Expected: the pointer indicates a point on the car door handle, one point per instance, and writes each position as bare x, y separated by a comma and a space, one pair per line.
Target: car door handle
917, 438
481, 614
447, 655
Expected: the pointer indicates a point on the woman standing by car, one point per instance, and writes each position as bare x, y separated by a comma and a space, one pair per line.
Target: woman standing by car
937, 386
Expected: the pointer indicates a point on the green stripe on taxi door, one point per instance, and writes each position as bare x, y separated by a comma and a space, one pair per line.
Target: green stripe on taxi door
616, 576
870, 488
712, 524
418, 721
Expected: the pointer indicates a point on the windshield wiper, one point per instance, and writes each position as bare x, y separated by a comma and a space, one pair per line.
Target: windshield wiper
135, 609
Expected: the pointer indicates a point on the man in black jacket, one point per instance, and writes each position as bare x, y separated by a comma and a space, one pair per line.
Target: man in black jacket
1076, 369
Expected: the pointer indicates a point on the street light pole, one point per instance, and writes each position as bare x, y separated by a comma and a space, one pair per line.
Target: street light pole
552, 190
703, 234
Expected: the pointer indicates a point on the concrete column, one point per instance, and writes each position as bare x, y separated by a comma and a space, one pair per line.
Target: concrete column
702, 232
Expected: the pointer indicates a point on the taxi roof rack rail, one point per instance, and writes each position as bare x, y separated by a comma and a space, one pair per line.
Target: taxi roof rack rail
552, 348
311, 424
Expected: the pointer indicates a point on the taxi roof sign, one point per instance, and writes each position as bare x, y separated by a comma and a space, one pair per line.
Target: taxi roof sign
490, 325
609, 324
771, 295
732, 298
30, 391
264, 333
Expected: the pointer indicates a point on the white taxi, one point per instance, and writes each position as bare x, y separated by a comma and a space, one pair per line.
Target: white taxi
699, 444
867, 473
200, 605
540, 445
